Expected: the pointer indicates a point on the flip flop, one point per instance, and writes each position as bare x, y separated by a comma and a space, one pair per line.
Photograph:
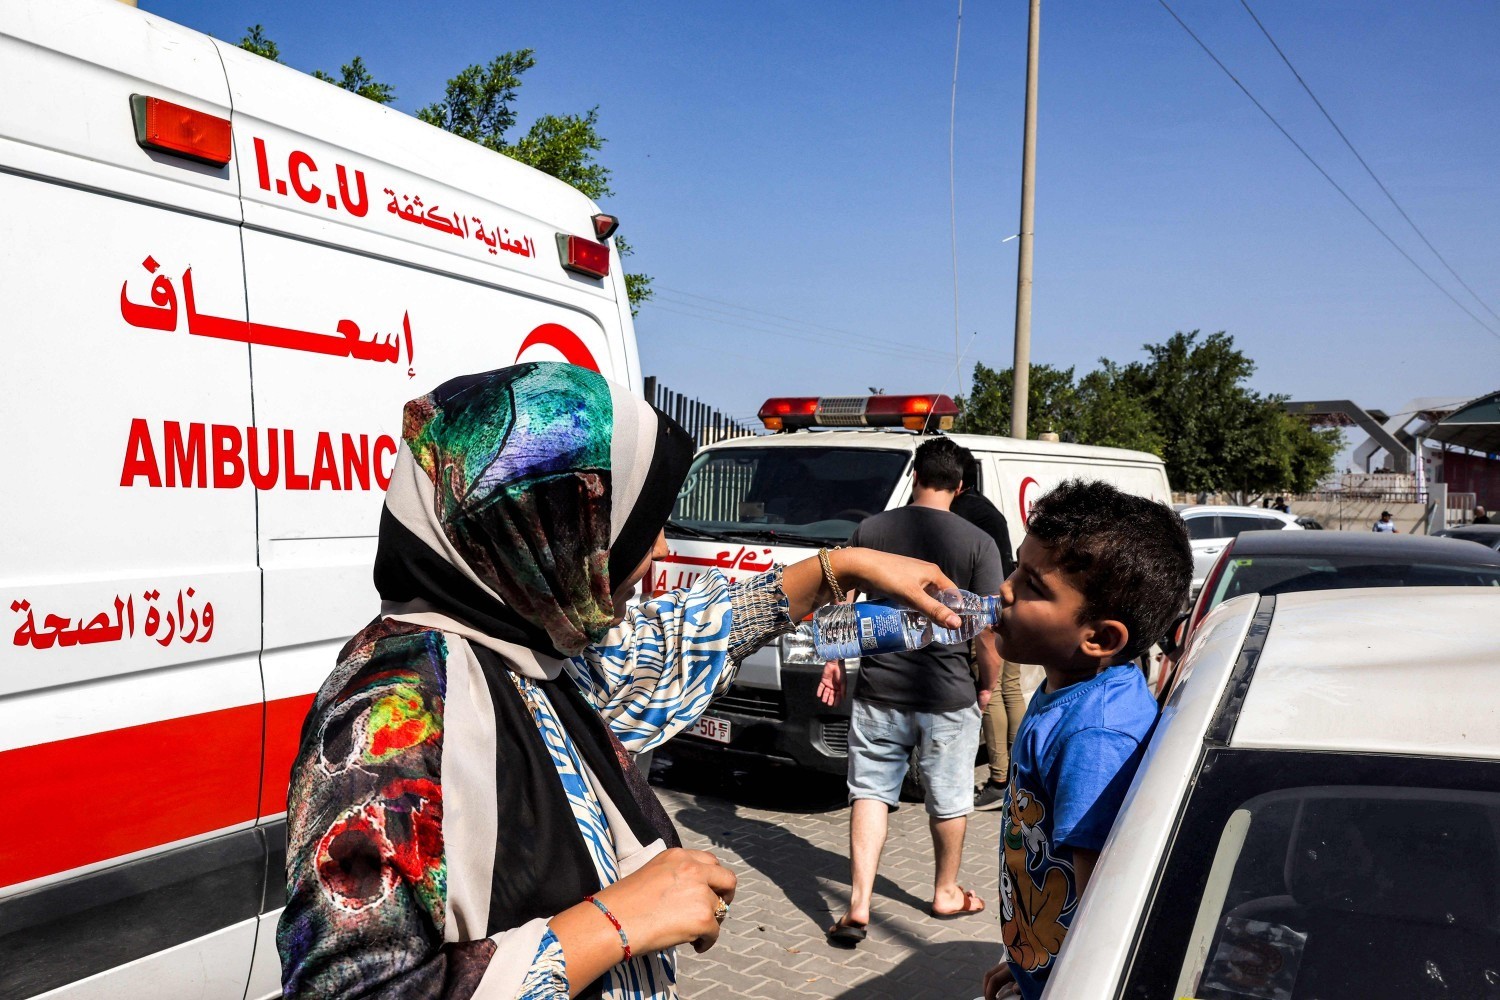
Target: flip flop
847, 932
972, 904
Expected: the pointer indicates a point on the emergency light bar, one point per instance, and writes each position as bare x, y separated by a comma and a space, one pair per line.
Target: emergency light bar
929, 412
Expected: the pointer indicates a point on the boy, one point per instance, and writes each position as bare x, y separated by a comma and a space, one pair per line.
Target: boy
1100, 577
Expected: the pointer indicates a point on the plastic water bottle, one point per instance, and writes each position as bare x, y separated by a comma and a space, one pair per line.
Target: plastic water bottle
844, 631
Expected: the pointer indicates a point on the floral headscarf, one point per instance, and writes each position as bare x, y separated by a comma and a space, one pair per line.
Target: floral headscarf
522, 497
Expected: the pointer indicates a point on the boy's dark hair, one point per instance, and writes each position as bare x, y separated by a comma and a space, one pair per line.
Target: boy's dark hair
939, 464
1130, 556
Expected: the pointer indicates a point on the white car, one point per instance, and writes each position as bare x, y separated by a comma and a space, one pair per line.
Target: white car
1317, 814
1211, 527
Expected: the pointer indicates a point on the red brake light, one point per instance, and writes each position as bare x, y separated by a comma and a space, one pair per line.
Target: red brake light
583, 255
605, 226
173, 128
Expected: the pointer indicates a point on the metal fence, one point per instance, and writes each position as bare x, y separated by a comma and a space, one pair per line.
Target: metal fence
717, 492
704, 422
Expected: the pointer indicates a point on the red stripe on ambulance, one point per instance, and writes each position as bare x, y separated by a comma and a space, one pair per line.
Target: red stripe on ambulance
225, 456
91, 798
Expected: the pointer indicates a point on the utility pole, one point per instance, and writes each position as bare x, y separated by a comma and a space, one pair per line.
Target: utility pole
1021, 371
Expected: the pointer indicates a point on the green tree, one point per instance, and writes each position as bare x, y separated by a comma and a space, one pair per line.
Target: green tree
355, 76
1313, 452
1194, 389
1187, 401
255, 40
1218, 434
1052, 401
1112, 415
480, 101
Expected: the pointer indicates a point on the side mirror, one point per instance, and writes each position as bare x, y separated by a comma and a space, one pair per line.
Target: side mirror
1172, 641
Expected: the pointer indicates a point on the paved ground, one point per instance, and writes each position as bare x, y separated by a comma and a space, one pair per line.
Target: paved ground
786, 835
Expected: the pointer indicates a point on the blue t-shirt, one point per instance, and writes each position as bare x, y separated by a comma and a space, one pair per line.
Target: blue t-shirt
1073, 758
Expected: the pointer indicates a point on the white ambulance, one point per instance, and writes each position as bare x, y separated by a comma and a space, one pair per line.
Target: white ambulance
221, 280
749, 502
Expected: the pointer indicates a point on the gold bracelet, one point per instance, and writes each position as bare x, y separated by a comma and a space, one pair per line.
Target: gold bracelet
833, 583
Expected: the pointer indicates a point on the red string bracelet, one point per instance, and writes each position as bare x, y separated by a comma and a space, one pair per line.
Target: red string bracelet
624, 942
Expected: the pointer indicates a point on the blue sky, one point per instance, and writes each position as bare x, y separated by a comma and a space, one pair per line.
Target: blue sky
784, 159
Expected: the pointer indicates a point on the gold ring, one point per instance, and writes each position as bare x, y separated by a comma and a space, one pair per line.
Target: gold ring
721, 910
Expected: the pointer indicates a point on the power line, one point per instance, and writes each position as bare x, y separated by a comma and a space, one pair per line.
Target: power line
862, 338
952, 196
905, 354
762, 325
1362, 162
1326, 176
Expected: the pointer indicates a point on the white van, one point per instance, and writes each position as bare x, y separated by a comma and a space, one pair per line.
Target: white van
749, 502
221, 280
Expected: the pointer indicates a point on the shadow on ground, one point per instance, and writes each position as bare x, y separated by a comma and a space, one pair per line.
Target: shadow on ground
770, 787
946, 963
801, 869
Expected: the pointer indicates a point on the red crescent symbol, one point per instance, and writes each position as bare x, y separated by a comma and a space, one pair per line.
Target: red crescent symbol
564, 341
1025, 510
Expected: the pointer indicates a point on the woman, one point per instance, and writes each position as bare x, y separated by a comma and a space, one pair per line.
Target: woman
464, 819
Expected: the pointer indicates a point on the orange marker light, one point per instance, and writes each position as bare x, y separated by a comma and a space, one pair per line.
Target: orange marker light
172, 128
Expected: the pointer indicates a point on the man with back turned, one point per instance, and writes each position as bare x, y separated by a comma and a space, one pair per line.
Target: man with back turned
923, 698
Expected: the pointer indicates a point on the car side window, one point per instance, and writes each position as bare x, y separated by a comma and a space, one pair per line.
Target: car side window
1203, 526
1233, 524
1315, 891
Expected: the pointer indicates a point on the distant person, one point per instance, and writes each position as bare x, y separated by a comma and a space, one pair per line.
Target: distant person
1282, 505
1102, 574
1002, 716
922, 697
1480, 515
1385, 525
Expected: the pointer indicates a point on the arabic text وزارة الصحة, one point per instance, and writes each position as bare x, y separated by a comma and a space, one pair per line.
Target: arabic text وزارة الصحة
161, 314
183, 622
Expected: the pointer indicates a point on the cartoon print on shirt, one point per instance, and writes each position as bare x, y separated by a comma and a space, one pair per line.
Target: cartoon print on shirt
1036, 888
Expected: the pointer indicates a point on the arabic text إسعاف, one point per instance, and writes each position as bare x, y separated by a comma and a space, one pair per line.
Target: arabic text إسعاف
185, 622
348, 342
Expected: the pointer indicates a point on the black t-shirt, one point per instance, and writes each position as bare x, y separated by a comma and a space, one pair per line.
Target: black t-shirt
935, 678
977, 509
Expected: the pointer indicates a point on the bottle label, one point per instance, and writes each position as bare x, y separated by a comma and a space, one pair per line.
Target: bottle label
876, 628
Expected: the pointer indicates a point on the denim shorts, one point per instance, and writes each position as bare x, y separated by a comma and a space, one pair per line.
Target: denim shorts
881, 739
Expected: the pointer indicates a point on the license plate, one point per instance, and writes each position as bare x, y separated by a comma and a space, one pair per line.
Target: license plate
711, 729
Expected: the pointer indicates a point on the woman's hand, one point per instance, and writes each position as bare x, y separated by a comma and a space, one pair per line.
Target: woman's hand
910, 581
671, 900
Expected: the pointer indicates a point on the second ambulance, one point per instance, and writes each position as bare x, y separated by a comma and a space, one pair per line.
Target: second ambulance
749, 502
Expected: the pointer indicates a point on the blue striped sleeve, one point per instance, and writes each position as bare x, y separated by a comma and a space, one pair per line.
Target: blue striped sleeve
548, 976
655, 673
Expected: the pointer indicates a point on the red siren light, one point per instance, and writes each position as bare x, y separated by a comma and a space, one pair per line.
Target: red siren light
923, 413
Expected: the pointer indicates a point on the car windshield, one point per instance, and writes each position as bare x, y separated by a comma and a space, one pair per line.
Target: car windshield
800, 494
1289, 574
1328, 876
